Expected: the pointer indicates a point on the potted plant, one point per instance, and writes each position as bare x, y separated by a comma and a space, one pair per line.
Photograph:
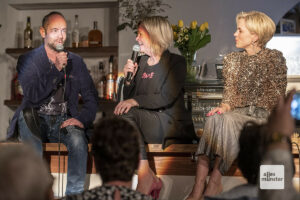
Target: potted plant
133, 11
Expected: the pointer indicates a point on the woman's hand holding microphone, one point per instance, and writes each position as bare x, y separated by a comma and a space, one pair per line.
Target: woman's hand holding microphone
125, 106
130, 67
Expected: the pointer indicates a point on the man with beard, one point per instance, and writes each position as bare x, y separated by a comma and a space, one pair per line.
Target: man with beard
52, 81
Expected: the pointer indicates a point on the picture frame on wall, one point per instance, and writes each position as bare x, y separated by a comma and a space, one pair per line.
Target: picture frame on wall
287, 26
289, 45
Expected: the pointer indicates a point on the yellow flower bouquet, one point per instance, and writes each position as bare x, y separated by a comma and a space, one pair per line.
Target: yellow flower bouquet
188, 40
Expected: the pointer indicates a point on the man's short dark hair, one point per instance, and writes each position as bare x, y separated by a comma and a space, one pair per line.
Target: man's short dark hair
115, 145
45, 20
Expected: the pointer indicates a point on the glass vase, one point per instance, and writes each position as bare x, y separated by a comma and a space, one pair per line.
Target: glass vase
190, 57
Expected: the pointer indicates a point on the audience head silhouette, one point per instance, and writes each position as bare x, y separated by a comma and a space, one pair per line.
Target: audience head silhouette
24, 175
115, 146
253, 142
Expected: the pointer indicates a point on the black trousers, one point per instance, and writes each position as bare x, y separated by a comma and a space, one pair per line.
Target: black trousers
149, 125
160, 128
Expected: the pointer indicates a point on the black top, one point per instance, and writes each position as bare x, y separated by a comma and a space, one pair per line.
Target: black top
160, 87
56, 105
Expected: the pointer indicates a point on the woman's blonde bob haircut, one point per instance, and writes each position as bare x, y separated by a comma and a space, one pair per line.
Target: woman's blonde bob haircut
160, 32
260, 24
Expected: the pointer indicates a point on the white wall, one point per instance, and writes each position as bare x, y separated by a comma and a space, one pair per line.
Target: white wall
6, 66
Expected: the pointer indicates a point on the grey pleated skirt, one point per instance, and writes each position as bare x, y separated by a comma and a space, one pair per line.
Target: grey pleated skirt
221, 134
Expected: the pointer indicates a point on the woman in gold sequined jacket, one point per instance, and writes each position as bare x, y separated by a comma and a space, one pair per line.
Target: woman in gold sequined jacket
254, 80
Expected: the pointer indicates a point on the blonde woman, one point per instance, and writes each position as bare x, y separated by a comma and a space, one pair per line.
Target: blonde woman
254, 80
154, 99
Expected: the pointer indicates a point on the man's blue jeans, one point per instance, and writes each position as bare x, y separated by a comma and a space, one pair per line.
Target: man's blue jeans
74, 139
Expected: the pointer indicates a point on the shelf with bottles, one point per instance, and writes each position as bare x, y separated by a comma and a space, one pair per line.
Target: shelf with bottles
103, 12
87, 52
89, 48
106, 80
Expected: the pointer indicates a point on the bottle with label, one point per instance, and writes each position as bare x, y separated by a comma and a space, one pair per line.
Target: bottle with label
28, 34
101, 81
16, 89
75, 33
110, 80
95, 36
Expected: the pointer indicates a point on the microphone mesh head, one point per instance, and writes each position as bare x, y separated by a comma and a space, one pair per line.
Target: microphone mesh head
59, 47
136, 47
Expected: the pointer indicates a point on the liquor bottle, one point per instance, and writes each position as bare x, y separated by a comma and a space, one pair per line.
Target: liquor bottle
16, 89
110, 81
75, 33
68, 42
28, 35
95, 37
101, 82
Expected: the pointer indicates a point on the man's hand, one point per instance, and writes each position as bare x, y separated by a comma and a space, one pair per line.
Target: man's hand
72, 122
61, 60
280, 119
124, 106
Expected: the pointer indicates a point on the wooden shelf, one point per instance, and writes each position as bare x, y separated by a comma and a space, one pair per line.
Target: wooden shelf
62, 5
87, 52
13, 104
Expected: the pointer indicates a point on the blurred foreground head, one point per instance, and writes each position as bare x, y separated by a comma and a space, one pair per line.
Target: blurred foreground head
116, 149
23, 174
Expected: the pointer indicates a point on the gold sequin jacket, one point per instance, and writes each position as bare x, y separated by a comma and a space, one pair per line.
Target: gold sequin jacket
256, 80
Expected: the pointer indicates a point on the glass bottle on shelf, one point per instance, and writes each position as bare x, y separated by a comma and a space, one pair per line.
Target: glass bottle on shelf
75, 33
110, 80
68, 42
28, 34
95, 36
101, 81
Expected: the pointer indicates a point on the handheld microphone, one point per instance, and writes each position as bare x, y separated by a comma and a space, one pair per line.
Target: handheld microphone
60, 48
134, 55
